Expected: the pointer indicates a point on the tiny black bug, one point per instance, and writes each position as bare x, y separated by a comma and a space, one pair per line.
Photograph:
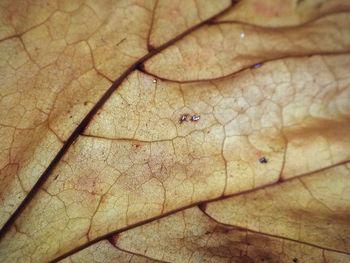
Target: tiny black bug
263, 160
184, 117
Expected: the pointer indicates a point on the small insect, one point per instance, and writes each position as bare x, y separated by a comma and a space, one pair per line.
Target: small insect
257, 65
263, 160
195, 118
184, 117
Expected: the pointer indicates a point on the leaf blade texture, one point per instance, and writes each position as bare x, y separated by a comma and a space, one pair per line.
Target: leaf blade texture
222, 125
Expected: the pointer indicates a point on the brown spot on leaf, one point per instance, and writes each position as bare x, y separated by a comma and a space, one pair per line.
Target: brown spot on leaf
136, 144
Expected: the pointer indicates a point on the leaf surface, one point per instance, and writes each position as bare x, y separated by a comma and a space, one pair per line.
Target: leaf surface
282, 13
53, 79
307, 209
221, 49
190, 236
105, 252
254, 226
172, 18
104, 127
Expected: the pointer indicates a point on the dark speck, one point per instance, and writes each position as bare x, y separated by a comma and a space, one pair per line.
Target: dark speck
184, 117
295, 260
121, 41
136, 145
263, 160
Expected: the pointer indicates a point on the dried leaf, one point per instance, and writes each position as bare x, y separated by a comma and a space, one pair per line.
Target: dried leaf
117, 113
